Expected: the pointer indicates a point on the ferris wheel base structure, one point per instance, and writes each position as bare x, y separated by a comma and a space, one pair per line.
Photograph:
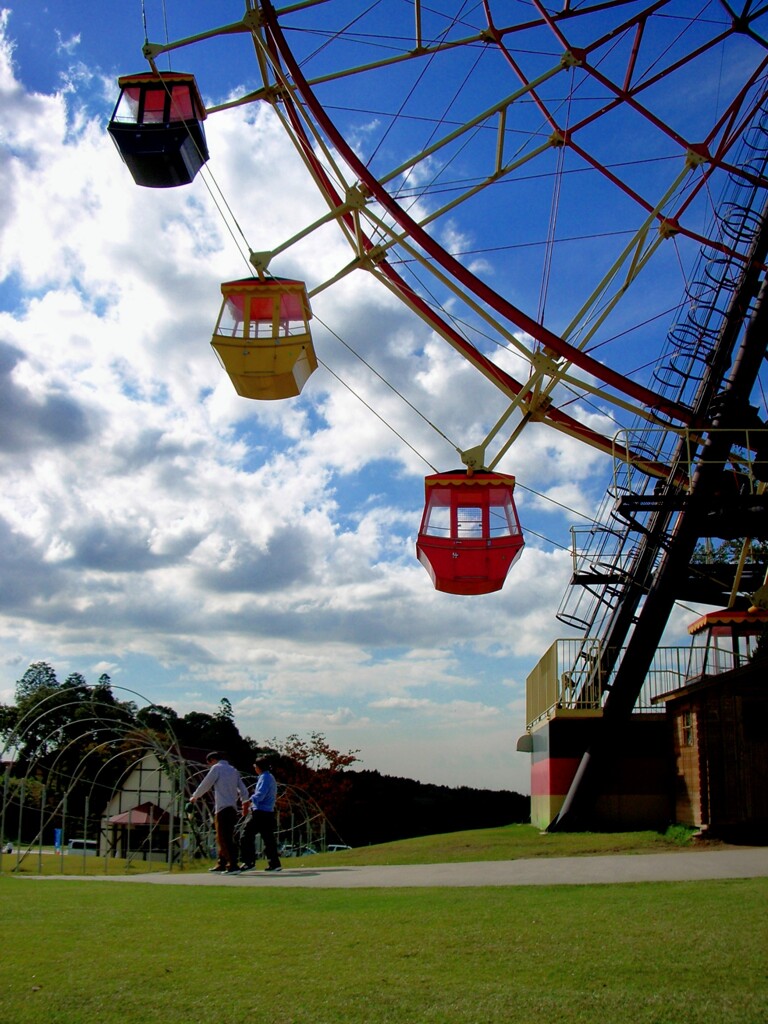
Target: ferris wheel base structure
694, 750
635, 793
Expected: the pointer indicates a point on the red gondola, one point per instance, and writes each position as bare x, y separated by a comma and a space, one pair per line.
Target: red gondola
157, 126
470, 534
262, 337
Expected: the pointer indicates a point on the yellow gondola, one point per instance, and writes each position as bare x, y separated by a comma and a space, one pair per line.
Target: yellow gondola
262, 337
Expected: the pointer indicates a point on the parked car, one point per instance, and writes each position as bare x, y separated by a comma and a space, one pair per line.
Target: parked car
336, 847
85, 847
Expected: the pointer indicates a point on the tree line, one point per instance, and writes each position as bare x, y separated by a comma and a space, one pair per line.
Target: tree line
64, 734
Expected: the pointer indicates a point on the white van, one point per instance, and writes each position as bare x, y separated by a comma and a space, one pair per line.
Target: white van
85, 847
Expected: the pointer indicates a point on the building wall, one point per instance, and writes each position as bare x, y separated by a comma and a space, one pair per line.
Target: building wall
145, 783
721, 757
555, 757
688, 771
635, 791
736, 738
721, 752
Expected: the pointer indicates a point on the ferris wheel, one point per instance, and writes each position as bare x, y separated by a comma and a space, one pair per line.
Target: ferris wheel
572, 197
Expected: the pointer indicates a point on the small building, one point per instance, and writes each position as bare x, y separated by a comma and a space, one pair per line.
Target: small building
717, 722
564, 703
143, 817
142, 830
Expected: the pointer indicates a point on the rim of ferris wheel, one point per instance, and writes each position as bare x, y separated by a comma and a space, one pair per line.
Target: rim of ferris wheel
470, 535
262, 337
652, 400
157, 126
291, 89
262, 23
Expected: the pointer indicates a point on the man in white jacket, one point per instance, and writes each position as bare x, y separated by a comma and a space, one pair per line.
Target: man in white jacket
227, 787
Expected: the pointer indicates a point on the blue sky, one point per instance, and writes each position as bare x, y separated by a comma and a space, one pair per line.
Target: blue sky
195, 545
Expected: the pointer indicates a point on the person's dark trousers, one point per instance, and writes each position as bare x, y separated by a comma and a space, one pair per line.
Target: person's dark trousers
226, 819
260, 823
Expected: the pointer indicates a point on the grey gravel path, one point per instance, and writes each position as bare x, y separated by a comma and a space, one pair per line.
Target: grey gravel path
751, 862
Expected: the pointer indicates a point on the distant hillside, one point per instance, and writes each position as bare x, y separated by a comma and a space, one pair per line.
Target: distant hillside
382, 808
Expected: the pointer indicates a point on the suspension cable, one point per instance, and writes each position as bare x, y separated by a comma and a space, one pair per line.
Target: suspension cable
382, 419
167, 37
549, 250
390, 386
378, 416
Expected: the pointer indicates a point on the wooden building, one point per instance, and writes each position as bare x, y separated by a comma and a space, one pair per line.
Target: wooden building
718, 728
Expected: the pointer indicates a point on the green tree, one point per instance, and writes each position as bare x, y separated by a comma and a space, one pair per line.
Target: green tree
38, 677
75, 680
159, 718
225, 712
216, 732
315, 767
65, 738
315, 754
102, 691
728, 552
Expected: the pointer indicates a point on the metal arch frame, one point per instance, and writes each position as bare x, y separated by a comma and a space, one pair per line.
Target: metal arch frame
304, 810
312, 812
38, 714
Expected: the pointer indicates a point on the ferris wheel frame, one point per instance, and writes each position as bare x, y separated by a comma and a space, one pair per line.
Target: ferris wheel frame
375, 223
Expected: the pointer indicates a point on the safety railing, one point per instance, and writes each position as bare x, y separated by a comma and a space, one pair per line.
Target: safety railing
568, 679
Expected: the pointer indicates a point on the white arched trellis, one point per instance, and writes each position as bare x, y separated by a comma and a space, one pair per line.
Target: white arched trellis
98, 788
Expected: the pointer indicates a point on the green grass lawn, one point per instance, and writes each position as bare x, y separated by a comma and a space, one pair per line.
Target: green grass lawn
509, 842
79, 952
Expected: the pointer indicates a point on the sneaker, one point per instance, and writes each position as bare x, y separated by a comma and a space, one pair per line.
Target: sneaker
232, 871
274, 867
247, 867
218, 868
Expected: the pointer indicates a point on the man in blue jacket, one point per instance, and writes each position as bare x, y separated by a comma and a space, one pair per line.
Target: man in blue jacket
262, 819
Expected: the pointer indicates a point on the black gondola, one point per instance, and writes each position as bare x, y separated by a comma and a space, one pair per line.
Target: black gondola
157, 126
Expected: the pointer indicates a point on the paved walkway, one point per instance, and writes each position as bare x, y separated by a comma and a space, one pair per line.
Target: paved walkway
751, 862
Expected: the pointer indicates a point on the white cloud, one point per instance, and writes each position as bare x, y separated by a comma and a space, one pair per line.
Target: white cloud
67, 46
401, 703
